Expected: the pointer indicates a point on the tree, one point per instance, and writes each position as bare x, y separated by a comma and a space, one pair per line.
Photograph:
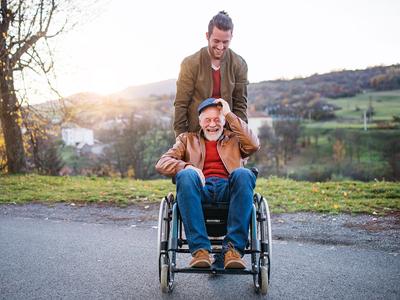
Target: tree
3, 162
391, 152
136, 145
288, 132
278, 145
25, 28
268, 158
145, 140
118, 154
41, 142
52, 161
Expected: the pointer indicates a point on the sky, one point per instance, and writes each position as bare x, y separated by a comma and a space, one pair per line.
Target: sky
125, 43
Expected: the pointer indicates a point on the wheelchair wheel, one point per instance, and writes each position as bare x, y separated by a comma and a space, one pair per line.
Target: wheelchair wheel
165, 275
261, 283
164, 265
263, 280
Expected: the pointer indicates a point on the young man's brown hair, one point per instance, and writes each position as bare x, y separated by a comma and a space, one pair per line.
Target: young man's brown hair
222, 21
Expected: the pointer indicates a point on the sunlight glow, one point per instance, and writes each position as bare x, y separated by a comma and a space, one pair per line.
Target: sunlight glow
130, 43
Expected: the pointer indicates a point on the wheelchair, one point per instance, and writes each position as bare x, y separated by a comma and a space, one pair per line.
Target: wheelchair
171, 241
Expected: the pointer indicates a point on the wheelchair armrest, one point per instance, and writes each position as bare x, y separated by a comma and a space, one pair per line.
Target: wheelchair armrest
255, 171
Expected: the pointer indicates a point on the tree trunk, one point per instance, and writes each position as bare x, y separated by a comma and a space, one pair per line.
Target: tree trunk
9, 122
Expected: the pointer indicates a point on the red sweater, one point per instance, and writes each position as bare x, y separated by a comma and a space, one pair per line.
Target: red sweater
216, 84
213, 165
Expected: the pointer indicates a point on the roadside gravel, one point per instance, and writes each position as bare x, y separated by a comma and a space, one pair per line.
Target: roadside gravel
364, 231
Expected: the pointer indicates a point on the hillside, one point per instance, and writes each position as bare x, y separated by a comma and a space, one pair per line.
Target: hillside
301, 93
265, 95
319, 97
338, 84
165, 87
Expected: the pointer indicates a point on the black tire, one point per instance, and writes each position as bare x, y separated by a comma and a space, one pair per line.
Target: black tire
266, 236
164, 274
163, 235
162, 232
165, 259
263, 280
263, 277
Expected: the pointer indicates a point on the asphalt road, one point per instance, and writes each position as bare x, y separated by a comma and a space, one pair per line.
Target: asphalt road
59, 259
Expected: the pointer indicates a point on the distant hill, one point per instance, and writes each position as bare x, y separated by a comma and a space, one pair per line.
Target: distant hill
165, 87
346, 83
299, 97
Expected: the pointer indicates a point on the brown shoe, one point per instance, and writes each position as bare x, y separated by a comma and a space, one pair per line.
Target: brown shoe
233, 260
201, 259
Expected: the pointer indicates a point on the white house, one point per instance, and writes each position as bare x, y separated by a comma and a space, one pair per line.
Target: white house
258, 119
77, 136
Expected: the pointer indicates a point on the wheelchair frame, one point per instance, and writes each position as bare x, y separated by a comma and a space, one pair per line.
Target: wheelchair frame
171, 242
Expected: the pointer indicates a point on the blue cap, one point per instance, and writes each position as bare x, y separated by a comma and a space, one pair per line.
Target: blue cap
207, 103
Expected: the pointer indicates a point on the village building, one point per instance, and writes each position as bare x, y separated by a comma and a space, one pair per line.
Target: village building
257, 119
73, 135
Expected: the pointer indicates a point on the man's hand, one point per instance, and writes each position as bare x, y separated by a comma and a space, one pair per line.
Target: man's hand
199, 172
225, 106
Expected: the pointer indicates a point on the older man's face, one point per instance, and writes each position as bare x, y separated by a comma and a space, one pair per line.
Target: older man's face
212, 122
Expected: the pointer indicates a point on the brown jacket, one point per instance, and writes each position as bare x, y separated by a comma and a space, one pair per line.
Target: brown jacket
189, 148
195, 84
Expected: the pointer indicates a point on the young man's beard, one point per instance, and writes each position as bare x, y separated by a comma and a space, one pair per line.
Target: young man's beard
215, 56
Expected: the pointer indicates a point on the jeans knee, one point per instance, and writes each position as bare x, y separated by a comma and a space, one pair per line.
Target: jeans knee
186, 176
243, 175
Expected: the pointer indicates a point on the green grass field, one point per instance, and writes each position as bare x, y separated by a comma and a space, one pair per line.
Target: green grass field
386, 104
283, 195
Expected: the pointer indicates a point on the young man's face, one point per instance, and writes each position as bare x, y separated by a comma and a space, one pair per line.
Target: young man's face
212, 122
218, 42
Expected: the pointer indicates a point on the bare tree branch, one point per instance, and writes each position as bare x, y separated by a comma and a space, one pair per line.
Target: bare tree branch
24, 48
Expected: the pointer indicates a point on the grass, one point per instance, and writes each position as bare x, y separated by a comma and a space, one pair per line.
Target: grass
49, 189
334, 124
283, 195
331, 197
386, 104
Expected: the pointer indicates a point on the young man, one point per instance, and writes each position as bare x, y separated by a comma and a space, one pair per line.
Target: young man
208, 166
214, 71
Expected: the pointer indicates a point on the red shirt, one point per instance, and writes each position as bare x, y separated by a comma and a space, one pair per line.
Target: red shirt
213, 165
216, 83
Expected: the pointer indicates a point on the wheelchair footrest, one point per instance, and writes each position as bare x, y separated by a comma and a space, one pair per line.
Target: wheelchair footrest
213, 250
214, 271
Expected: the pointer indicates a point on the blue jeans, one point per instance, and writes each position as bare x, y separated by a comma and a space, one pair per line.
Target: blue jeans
237, 190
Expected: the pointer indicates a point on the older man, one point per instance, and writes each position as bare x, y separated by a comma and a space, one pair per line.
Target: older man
209, 168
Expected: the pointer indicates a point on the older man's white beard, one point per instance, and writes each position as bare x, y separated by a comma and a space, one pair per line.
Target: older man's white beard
213, 137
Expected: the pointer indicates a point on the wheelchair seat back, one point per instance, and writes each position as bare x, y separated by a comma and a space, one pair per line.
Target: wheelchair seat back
216, 218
